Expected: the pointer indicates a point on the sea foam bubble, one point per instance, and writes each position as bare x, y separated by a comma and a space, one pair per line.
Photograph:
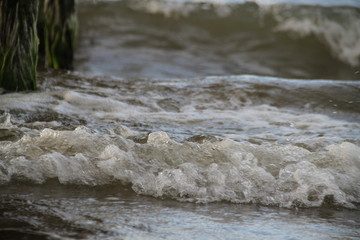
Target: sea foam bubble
218, 170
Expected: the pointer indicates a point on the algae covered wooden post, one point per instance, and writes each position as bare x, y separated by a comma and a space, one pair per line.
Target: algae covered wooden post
18, 44
60, 32
19, 41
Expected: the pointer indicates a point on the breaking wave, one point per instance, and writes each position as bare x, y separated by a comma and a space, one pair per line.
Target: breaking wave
201, 169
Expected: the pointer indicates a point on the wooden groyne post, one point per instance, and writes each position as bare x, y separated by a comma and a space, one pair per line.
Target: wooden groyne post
18, 44
60, 30
20, 21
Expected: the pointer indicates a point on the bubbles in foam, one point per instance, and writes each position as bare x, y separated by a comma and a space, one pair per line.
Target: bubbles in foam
5, 121
239, 172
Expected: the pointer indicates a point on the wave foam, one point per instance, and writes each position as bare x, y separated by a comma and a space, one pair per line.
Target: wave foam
223, 170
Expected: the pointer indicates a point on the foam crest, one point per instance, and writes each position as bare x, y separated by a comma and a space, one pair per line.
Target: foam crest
5, 121
219, 170
342, 36
96, 103
97, 106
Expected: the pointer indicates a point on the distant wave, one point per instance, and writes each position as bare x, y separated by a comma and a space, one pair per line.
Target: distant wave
337, 27
200, 38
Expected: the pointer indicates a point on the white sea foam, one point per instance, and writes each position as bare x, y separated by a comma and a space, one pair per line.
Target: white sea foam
241, 146
202, 113
283, 175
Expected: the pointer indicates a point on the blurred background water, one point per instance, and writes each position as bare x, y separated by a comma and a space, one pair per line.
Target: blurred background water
191, 119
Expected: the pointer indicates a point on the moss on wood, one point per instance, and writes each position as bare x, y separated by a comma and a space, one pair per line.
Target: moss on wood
20, 26
18, 44
59, 33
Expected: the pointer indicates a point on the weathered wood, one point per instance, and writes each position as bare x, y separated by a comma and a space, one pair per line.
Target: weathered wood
60, 32
41, 35
18, 44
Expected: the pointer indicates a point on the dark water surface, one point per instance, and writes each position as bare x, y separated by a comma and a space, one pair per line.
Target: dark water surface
191, 120
185, 39
55, 211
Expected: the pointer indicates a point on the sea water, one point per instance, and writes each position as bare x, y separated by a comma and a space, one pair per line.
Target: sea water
191, 120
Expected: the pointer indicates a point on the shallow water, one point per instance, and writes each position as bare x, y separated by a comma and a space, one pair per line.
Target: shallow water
114, 212
211, 120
